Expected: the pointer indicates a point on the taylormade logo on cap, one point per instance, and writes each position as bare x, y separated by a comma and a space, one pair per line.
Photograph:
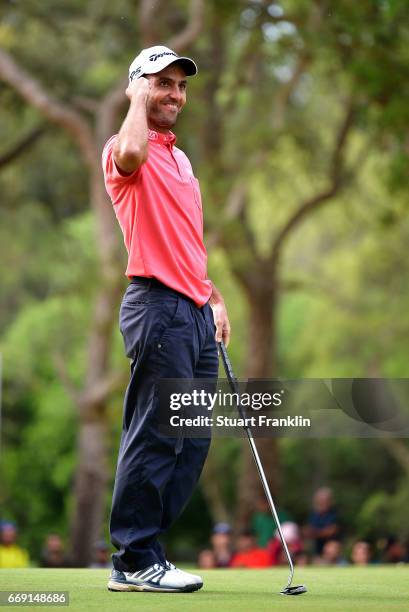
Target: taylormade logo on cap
155, 59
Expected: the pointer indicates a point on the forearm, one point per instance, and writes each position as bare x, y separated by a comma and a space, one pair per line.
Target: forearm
131, 145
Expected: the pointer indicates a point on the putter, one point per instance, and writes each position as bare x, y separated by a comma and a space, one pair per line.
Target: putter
287, 590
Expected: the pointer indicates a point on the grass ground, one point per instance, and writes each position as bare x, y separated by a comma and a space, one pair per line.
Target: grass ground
342, 588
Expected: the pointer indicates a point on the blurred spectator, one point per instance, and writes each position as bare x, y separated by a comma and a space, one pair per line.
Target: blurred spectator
262, 522
249, 554
206, 559
394, 551
323, 521
361, 553
53, 552
11, 555
102, 557
221, 541
301, 558
292, 537
332, 554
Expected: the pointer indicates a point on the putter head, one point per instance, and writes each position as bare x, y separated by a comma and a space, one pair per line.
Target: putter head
294, 590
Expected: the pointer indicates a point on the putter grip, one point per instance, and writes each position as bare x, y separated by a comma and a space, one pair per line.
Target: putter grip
228, 368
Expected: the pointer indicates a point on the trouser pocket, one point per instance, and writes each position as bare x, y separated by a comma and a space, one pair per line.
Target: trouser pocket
143, 324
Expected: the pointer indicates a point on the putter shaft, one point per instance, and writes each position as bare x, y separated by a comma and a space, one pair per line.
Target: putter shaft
235, 388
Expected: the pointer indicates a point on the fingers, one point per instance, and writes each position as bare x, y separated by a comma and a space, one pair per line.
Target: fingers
226, 335
219, 330
223, 331
138, 86
222, 324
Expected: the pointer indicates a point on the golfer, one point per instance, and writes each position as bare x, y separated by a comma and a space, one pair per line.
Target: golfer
170, 318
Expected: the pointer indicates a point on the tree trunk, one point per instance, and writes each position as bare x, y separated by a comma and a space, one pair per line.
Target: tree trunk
211, 484
261, 363
89, 490
91, 474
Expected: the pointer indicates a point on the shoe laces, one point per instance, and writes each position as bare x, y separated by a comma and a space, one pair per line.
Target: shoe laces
169, 566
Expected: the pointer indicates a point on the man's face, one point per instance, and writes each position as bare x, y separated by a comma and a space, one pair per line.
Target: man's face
322, 500
221, 540
8, 535
167, 97
332, 550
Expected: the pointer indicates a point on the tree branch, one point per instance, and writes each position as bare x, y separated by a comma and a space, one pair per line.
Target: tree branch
108, 110
97, 394
319, 287
57, 112
235, 201
61, 369
336, 175
148, 10
24, 143
192, 29
235, 211
285, 92
399, 450
90, 105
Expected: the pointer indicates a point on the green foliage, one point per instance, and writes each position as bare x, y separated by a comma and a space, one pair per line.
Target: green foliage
384, 514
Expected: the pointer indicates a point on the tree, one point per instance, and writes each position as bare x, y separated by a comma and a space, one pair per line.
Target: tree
258, 104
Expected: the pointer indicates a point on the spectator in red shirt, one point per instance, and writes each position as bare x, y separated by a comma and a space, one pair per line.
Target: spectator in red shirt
248, 554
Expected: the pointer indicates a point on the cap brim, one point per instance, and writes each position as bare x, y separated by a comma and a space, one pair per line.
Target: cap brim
186, 63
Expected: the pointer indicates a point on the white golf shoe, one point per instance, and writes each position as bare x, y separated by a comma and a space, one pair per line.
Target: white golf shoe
192, 579
155, 578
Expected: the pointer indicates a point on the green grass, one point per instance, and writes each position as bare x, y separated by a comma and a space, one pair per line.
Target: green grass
344, 588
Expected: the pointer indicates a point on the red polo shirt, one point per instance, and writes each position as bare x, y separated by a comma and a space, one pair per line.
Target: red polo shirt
159, 209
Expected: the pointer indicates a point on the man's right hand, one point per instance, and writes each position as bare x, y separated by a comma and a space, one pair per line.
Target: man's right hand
138, 87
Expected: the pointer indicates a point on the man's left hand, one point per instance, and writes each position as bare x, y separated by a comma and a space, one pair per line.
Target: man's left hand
221, 320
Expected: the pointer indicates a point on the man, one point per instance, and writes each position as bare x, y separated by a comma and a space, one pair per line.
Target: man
323, 520
166, 318
332, 554
102, 558
53, 554
222, 545
11, 554
361, 553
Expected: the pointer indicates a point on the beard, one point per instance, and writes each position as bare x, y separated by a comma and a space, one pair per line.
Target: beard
157, 115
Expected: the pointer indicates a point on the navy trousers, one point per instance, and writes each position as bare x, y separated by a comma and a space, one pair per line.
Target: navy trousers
166, 336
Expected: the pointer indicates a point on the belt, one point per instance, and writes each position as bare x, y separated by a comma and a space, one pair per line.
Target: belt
150, 281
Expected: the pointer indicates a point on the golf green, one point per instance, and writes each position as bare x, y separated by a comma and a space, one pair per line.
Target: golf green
338, 588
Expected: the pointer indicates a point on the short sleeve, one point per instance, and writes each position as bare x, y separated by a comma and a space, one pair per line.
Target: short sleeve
115, 182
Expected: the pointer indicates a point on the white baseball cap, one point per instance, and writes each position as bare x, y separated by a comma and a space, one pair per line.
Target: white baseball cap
155, 59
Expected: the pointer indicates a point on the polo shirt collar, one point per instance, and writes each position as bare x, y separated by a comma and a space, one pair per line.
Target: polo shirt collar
160, 138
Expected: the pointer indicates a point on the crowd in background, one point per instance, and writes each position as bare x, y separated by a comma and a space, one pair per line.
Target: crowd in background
320, 541
53, 553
